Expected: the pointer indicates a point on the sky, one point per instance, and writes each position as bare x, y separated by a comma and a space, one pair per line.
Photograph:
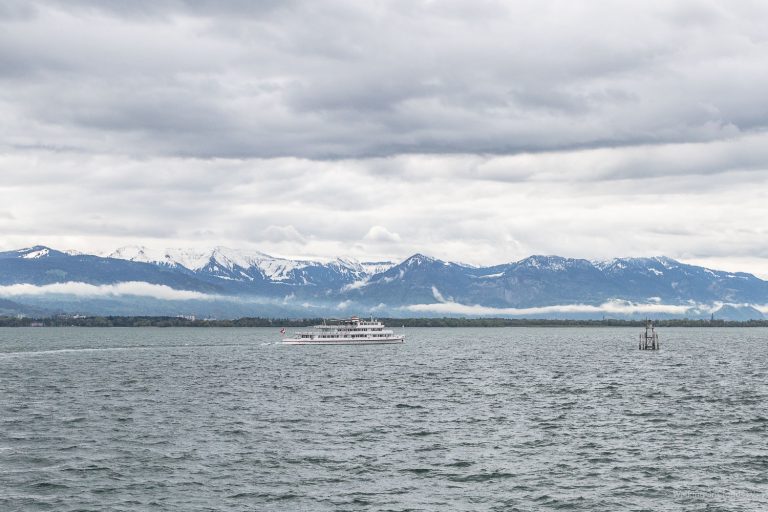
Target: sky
477, 131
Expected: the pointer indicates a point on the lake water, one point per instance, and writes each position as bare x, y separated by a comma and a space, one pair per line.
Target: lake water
455, 419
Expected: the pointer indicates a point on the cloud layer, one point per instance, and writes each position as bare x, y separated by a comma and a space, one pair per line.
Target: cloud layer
345, 79
131, 288
616, 307
442, 307
478, 131
613, 307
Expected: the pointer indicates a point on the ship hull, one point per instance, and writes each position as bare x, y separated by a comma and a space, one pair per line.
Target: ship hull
384, 341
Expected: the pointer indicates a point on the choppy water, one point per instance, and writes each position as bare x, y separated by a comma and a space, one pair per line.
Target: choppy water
455, 419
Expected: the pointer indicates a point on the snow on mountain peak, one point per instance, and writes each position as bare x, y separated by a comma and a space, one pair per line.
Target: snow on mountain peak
231, 258
190, 259
649, 264
348, 263
35, 252
668, 263
376, 267
554, 263
223, 260
418, 259
133, 253
364, 267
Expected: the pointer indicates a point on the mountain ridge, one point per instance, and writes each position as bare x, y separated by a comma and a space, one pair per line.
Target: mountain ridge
419, 282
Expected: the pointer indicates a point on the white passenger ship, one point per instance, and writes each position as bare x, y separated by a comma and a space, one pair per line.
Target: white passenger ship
352, 331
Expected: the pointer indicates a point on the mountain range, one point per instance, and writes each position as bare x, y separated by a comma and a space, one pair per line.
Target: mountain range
225, 282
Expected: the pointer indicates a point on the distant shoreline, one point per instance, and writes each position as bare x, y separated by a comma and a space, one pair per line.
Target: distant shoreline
165, 321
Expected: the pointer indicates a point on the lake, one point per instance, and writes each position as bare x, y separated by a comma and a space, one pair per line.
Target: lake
455, 419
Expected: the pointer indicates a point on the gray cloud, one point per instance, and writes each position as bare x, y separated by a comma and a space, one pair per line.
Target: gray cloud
339, 79
457, 207
479, 131
381, 234
279, 234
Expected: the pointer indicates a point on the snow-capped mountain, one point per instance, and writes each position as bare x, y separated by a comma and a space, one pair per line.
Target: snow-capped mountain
190, 259
31, 253
286, 286
539, 281
250, 266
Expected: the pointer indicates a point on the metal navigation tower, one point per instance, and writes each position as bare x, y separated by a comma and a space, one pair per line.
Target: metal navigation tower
650, 339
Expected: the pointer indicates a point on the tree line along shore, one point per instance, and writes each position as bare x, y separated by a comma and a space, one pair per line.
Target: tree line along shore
169, 321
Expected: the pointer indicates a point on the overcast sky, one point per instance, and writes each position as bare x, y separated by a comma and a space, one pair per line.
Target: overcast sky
480, 131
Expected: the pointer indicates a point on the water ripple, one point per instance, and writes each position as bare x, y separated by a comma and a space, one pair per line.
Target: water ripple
455, 419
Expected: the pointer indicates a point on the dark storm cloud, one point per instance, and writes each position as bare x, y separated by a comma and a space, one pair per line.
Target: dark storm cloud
347, 79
